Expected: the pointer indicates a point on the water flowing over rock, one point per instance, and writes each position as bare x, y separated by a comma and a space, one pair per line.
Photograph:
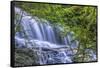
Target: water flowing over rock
41, 36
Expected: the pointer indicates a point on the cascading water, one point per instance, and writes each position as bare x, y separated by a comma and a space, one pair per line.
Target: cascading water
41, 35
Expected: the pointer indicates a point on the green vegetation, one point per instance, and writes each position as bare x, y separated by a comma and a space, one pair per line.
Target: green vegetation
81, 20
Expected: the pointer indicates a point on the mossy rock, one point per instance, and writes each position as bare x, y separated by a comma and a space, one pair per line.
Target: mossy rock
25, 57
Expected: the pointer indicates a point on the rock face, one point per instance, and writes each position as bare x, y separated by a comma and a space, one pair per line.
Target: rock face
43, 39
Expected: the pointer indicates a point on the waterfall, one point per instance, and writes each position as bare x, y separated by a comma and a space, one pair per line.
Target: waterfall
40, 34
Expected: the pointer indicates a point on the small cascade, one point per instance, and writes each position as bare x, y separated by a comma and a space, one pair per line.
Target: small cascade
51, 48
